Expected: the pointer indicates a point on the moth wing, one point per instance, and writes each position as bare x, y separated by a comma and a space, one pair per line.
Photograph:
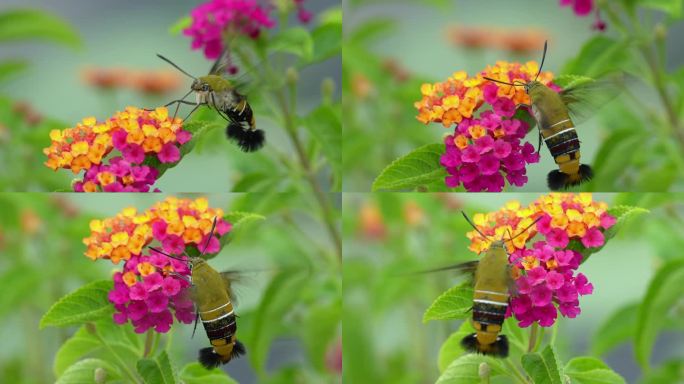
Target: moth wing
229, 278
585, 96
466, 269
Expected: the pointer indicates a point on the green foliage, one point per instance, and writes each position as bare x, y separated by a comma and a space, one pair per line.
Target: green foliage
590, 370
416, 169
86, 370
157, 370
598, 56
455, 303
24, 24
88, 303
544, 367
664, 291
9, 68
195, 373
618, 328
325, 126
296, 40
465, 370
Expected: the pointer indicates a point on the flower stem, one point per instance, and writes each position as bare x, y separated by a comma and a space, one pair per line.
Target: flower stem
534, 331
323, 202
516, 372
124, 366
148, 342
554, 333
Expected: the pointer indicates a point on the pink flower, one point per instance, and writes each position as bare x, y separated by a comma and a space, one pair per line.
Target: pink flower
173, 244
159, 230
138, 292
183, 136
581, 7
541, 295
169, 153
504, 107
470, 155
137, 309
171, 286
593, 238
157, 302
501, 149
554, 280
607, 221
212, 20
489, 92
163, 321
536, 275
153, 281
557, 238
546, 315
119, 139
133, 153
119, 295
484, 144
488, 165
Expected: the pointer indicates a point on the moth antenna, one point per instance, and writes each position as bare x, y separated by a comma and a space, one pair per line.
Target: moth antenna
475, 227
526, 228
175, 66
211, 234
543, 58
497, 81
166, 254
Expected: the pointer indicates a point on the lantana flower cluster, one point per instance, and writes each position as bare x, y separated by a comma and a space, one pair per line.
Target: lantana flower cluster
215, 20
140, 136
151, 288
483, 149
547, 281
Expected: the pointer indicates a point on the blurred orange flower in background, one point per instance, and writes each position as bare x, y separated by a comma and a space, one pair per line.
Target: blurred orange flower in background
371, 223
519, 40
144, 81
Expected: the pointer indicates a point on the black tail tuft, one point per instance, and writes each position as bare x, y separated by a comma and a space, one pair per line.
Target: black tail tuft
249, 140
559, 180
238, 350
585, 172
498, 349
208, 358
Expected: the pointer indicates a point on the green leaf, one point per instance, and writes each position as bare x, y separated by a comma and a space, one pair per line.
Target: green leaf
22, 24
295, 40
198, 129
327, 41
84, 343
240, 221
180, 25
622, 214
331, 15
465, 370
543, 367
590, 370
415, 169
451, 349
321, 326
73, 349
616, 329
84, 372
523, 114
372, 29
157, 370
88, 303
195, 373
670, 372
275, 303
671, 7
455, 303
326, 128
664, 291
599, 56
570, 81
9, 68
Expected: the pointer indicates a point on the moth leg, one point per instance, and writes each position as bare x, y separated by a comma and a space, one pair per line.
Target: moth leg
218, 109
196, 320
540, 142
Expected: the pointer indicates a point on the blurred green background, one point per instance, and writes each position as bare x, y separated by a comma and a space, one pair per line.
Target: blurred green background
388, 237
127, 35
392, 47
289, 302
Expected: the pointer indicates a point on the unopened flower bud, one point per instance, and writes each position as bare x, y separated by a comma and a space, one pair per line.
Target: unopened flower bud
660, 31
100, 375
